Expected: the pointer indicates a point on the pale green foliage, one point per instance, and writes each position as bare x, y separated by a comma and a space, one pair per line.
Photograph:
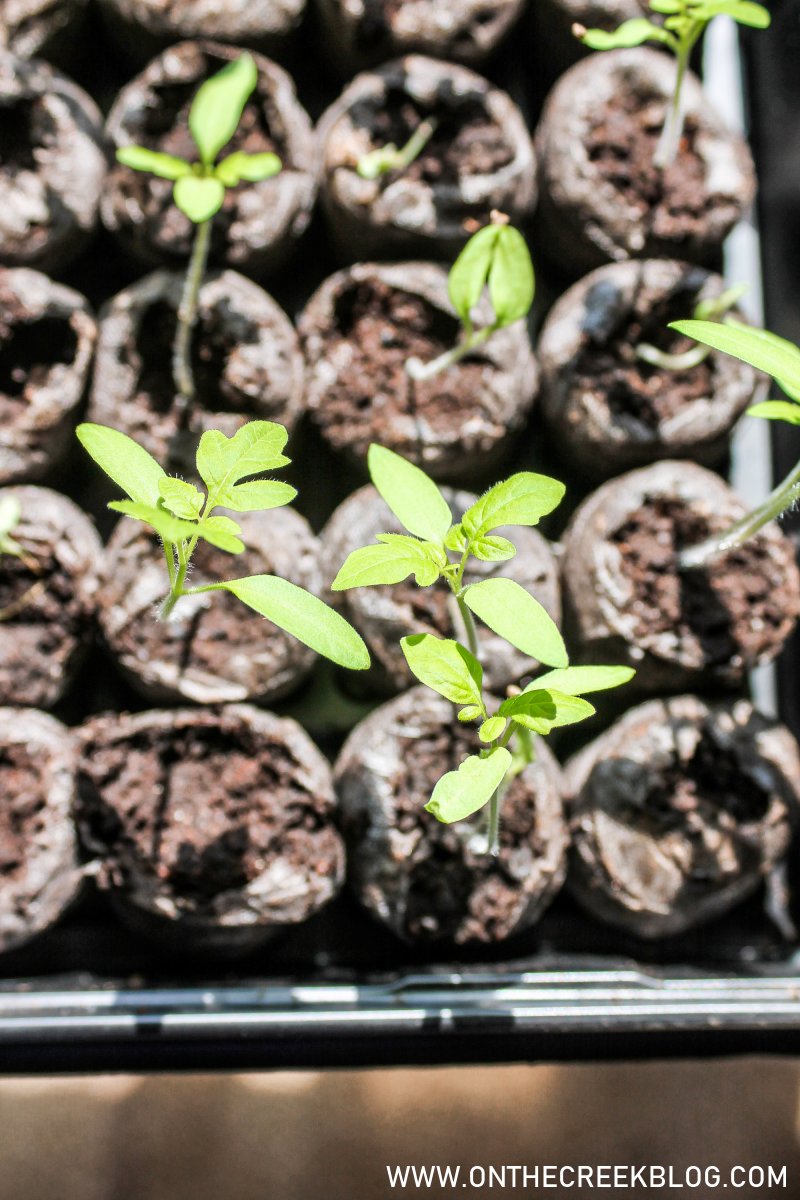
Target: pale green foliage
199, 187
10, 514
181, 514
760, 349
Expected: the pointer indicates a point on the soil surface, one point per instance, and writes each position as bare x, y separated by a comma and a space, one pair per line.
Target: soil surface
45, 615
23, 816
28, 351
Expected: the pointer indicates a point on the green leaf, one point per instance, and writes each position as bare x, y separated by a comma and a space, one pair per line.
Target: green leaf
223, 533
198, 197
630, 33
521, 500
218, 106
165, 166
224, 461
714, 307
258, 495
493, 549
744, 11
124, 461
413, 498
446, 666
776, 410
460, 793
511, 280
542, 710
389, 562
763, 350
181, 498
469, 272
515, 615
168, 527
471, 713
456, 540
302, 615
252, 168
579, 681
491, 729
10, 513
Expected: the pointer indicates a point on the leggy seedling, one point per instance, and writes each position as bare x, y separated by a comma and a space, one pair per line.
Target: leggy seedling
684, 25
181, 514
714, 308
391, 158
781, 359
436, 547
199, 187
496, 258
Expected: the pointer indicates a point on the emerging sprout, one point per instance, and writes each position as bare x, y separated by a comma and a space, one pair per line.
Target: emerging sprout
436, 547
199, 187
497, 258
715, 308
684, 24
10, 516
181, 514
390, 158
781, 359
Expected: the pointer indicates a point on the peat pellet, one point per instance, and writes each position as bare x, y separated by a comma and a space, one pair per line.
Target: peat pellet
47, 597
213, 828
602, 199
479, 158
359, 330
213, 648
52, 165
143, 27
47, 337
259, 223
679, 811
433, 882
626, 600
363, 33
40, 874
383, 615
41, 28
245, 356
607, 408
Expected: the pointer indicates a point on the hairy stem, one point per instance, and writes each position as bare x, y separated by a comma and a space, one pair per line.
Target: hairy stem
671, 134
420, 371
469, 625
187, 315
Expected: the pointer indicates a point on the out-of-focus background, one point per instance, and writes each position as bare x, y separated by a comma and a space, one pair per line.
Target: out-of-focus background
329, 1136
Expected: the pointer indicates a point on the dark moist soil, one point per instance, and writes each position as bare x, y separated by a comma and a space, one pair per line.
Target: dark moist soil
385, 327
637, 393
204, 811
673, 203
466, 140
28, 351
731, 608
22, 812
54, 608
25, 128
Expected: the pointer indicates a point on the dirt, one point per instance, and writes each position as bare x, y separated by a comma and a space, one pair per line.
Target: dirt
204, 810
383, 327
29, 349
55, 610
24, 124
636, 393
22, 813
738, 607
673, 203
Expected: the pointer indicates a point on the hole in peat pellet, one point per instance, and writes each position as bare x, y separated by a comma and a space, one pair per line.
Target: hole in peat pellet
28, 352
20, 123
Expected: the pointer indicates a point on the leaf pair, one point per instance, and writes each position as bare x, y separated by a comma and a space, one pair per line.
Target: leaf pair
495, 257
685, 20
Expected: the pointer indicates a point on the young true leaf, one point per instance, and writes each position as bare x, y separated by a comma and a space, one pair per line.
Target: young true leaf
198, 197
543, 710
493, 548
168, 527
221, 532
258, 495
582, 681
181, 498
224, 461
218, 106
491, 729
413, 498
523, 499
445, 666
253, 168
124, 461
165, 166
471, 712
459, 794
392, 560
516, 616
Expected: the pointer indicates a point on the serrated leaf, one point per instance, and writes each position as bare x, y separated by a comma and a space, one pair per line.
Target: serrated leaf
124, 461
165, 166
302, 615
258, 495
181, 498
390, 561
581, 681
493, 548
630, 33
252, 168
776, 410
470, 271
198, 197
413, 498
515, 615
218, 106
523, 499
491, 729
168, 527
445, 666
223, 461
512, 283
544, 709
760, 349
223, 533
459, 794
471, 713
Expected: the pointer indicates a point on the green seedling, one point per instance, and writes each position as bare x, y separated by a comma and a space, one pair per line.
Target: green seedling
684, 23
776, 357
181, 514
10, 516
437, 547
199, 187
715, 308
390, 158
495, 258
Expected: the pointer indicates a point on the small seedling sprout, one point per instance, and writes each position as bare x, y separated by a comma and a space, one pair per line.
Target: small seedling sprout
199, 187
684, 24
181, 514
437, 547
714, 308
776, 357
10, 517
495, 258
389, 158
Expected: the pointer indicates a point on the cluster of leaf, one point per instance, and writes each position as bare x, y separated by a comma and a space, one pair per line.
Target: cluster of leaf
181, 514
684, 23
447, 666
214, 116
